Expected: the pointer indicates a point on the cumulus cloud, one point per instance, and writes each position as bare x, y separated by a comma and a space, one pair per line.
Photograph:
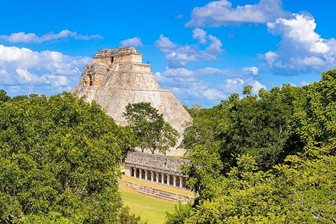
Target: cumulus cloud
22, 37
301, 49
200, 34
215, 47
178, 56
131, 42
237, 85
246, 71
251, 70
165, 43
198, 92
190, 85
24, 70
218, 13
202, 90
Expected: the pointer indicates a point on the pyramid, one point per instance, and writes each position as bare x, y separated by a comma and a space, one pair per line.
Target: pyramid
117, 77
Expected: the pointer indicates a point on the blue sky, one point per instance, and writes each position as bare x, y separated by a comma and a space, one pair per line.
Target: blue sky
202, 50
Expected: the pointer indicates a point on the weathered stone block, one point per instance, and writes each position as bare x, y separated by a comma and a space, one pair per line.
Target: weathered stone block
117, 78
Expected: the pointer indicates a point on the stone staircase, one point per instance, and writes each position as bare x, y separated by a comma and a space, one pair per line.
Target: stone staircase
158, 193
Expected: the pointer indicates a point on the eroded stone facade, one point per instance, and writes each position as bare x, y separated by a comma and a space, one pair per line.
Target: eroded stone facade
117, 77
156, 168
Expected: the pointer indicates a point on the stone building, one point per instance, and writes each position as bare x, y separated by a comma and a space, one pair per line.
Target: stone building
156, 168
117, 77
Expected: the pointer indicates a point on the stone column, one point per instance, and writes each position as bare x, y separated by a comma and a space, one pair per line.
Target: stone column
168, 179
140, 173
135, 172
146, 174
162, 178
157, 177
181, 184
174, 181
152, 176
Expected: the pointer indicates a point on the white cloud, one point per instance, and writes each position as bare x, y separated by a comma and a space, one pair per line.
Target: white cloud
178, 56
22, 37
191, 86
188, 87
218, 13
251, 70
304, 83
42, 72
200, 34
164, 43
215, 46
301, 49
55, 80
246, 71
131, 42
237, 85
202, 90
24, 76
213, 71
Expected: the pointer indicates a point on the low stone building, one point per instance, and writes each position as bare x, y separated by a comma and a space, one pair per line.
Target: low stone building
156, 168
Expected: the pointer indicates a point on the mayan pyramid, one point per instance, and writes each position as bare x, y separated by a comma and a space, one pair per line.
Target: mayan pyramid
117, 77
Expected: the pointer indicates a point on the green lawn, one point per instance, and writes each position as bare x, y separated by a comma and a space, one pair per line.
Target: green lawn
149, 208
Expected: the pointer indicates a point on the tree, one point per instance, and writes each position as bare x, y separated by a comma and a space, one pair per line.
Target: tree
3, 96
300, 191
315, 111
247, 90
166, 138
149, 127
127, 218
266, 158
181, 213
59, 161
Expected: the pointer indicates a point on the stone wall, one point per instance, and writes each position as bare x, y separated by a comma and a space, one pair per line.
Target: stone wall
130, 67
127, 81
158, 193
158, 163
173, 152
119, 55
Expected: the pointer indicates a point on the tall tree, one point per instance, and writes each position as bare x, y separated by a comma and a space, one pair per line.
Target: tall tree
3, 96
59, 161
270, 157
150, 129
315, 111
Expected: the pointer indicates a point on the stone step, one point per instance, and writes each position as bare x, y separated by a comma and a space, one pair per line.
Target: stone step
158, 193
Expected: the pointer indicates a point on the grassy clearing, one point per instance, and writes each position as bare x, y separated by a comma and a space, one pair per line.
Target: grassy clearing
150, 209
159, 186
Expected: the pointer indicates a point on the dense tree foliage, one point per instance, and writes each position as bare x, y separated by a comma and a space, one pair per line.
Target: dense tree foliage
300, 191
259, 125
150, 129
181, 212
266, 158
59, 161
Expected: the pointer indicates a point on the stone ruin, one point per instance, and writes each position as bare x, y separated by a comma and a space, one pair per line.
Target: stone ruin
117, 77
159, 170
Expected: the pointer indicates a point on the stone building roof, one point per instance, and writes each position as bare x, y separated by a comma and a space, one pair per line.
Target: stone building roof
160, 163
115, 51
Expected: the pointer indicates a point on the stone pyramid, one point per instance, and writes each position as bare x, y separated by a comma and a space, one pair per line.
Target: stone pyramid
117, 77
